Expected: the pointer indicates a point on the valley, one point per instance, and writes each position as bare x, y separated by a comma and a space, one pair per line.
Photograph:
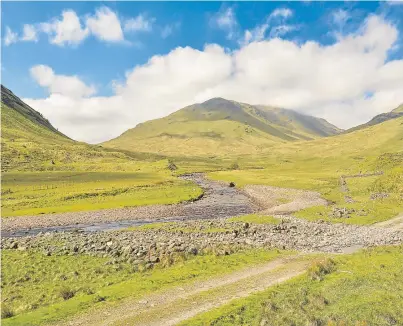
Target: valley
196, 219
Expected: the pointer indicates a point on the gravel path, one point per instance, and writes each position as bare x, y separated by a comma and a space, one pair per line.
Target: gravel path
275, 200
172, 306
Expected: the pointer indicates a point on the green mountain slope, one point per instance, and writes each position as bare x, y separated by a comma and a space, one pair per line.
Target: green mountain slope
30, 143
396, 113
223, 127
11, 101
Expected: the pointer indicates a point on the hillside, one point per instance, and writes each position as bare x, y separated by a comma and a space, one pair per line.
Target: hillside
10, 100
396, 113
223, 127
30, 143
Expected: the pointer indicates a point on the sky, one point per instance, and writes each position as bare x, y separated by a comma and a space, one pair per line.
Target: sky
96, 69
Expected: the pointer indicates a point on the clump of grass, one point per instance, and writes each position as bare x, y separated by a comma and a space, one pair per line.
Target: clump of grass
234, 166
6, 312
66, 293
320, 268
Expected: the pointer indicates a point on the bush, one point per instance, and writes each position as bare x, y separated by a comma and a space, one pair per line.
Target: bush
6, 312
66, 293
172, 166
320, 268
234, 166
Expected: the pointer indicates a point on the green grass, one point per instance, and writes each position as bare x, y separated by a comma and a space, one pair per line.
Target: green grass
31, 193
317, 165
223, 127
30, 146
255, 219
33, 284
365, 288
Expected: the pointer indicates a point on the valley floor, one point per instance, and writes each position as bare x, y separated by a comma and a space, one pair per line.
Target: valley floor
189, 269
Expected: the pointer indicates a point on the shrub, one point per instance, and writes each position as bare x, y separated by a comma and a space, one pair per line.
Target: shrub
234, 166
66, 293
6, 312
319, 269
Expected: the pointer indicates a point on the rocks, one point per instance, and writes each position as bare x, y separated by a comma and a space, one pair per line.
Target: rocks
381, 195
349, 199
232, 184
143, 249
342, 212
153, 259
220, 201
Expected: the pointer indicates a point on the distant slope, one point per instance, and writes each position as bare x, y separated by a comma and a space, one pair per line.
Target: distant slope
30, 143
396, 113
398, 109
220, 126
13, 102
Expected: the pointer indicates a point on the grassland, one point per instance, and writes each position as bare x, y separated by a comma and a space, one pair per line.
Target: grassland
223, 127
32, 193
37, 289
365, 288
319, 164
29, 146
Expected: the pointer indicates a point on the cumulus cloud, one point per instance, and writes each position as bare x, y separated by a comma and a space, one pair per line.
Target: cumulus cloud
67, 86
347, 82
105, 25
29, 33
70, 29
10, 37
139, 24
65, 30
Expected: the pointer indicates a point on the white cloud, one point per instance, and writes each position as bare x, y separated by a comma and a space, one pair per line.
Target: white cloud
10, 37
67, 30
226, 20
105, 25
169, 29
139, 24
329, 81
281, 13
29, 33
340, 17
274, 22
67, 86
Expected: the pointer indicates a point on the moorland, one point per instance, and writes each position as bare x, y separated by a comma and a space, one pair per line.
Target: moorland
221, 213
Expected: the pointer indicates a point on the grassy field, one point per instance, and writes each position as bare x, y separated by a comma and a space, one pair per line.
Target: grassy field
37, 289
365, 288
221, 127
31, 193
319, 164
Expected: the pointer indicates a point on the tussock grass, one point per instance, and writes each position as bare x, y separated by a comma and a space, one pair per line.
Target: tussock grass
360, 289
37, 288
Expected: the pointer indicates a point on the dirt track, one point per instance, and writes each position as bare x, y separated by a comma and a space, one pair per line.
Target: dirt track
181, 303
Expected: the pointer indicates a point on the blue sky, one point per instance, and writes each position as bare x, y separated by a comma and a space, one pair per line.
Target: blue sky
79, 69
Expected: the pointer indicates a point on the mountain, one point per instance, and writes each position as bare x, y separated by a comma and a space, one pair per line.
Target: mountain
29, 142
222, 126
394, 114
